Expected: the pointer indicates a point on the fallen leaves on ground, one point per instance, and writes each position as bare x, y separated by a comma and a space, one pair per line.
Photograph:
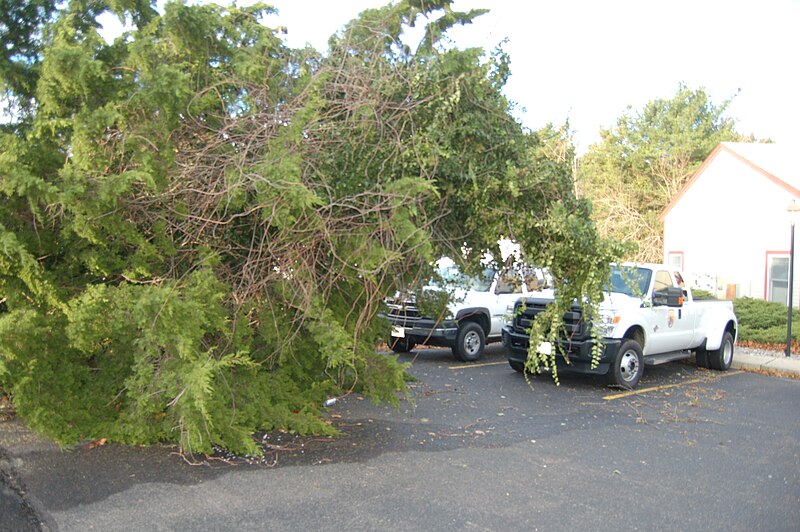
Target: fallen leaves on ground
94, 444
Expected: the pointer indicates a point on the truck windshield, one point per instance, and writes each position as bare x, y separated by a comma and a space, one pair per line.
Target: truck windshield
630, 281
452, 277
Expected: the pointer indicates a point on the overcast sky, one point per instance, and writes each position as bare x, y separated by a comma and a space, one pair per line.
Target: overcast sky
587, 60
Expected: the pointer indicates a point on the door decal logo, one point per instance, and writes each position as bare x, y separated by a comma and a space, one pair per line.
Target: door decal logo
671, 318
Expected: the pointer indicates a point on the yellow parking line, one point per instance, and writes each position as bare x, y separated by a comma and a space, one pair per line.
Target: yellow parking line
467, 366
664, 387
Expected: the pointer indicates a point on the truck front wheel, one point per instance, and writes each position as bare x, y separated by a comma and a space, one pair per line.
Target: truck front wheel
519, 367
400, 345
470, 342
720, 359
628, 365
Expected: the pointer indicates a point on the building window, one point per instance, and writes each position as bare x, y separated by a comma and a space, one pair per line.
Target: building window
778, 279
675, 260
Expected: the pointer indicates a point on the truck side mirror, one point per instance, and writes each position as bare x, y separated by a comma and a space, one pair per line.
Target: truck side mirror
672, 296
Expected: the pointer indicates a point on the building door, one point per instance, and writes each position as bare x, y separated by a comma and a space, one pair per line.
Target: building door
778, 279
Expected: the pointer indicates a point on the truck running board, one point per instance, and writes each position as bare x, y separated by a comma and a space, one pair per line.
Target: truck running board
663, 358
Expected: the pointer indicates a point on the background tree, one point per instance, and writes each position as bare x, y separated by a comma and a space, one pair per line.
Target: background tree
638, 166
21, 25
199, 225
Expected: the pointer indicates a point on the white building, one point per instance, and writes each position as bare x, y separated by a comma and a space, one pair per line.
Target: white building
728, 227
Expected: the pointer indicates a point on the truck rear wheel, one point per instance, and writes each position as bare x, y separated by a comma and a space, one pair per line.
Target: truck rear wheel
720, 359
628, 365
470, 342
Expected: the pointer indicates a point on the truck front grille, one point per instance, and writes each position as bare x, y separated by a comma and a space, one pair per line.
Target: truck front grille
574, 327
403, 313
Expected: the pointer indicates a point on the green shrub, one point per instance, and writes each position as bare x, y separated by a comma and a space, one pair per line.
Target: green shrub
764, 321
700, 294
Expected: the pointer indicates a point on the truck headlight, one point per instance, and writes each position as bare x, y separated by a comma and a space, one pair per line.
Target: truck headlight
606, 324
508, 317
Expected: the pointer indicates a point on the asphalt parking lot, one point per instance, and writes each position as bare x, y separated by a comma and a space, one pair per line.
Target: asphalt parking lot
475, 446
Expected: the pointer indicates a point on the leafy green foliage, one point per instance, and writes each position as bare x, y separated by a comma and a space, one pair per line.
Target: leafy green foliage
433, 303
199, 225
579, 260
21, 23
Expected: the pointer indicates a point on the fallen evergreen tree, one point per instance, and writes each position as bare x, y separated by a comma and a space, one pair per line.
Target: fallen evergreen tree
199, 224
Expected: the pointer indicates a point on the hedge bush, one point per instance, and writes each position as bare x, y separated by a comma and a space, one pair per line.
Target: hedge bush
764, 321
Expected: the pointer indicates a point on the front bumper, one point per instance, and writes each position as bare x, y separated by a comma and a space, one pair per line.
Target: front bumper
578, 352
425, 331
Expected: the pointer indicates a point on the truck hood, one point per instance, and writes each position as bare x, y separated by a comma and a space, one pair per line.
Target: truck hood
456, 300
619, 301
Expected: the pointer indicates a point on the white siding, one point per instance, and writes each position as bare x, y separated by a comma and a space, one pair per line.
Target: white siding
727, 221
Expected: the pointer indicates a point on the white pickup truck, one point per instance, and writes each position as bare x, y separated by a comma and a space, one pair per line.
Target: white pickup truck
648, 317
474, 316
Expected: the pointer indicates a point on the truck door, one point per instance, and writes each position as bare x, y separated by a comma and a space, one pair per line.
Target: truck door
671, 328
686, 322
508, 288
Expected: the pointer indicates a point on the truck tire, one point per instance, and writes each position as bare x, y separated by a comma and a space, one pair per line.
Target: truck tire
627, 366
519, 367
720, 359
470, 342
400, 345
